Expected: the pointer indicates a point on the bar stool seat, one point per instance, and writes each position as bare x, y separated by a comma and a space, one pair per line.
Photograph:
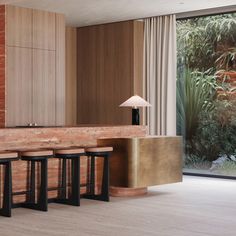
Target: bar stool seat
8, 155
102, 152
99, 149
37, 156
5, 159
72, 150
73, 154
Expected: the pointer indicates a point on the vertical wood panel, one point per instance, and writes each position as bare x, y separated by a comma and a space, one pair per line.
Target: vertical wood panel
138, 56
124, 71
44, 98
44, 30
71, 76
19, 26
87, 76
60, 69
116, 84
108, 71
138, 35
19, 86
102, 82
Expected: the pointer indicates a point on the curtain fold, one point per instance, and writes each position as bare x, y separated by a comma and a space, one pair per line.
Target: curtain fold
160, 74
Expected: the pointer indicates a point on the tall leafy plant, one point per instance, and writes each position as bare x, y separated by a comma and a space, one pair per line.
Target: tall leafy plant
195, 92
215, 135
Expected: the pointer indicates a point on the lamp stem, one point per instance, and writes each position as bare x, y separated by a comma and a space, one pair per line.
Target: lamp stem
135, 116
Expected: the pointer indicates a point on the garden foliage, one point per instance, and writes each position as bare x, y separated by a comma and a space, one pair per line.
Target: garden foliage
206, 119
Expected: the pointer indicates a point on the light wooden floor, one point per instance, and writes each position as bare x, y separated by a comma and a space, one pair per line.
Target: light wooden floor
196, 207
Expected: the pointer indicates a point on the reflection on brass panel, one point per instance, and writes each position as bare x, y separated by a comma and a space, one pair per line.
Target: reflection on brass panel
147, 161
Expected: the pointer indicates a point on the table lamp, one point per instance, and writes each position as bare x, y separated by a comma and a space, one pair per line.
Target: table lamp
135, 102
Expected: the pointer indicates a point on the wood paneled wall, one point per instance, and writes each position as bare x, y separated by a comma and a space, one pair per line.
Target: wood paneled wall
138, 45
35, 68
60, 69
44, 92
71, 76
19, 27
19, 108
44, 30
109, 71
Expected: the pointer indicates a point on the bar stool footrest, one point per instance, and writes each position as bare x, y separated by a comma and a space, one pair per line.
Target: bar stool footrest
33, 206
5, 212
20, 193
67, 202
97, 197
55, 188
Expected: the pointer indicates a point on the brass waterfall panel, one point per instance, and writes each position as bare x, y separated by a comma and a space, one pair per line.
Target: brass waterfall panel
147, 161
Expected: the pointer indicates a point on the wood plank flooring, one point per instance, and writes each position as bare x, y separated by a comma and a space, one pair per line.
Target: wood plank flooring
197, 207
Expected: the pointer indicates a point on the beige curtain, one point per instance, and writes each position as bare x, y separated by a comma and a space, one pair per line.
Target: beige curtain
160, 74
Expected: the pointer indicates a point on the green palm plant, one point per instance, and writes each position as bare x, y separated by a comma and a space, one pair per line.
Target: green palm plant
195, 93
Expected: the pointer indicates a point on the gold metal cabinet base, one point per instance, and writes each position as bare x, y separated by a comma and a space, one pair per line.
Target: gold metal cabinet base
143, 162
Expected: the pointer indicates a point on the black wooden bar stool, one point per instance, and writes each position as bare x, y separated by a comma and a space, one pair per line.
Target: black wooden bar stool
103, 152
74, 155
37, 156
5, 160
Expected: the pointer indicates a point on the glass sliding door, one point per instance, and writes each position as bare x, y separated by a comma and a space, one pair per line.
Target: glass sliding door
206, 93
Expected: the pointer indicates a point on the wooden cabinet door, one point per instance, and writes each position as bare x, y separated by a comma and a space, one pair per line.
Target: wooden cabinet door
44, 97
19, 26
44, 30
19, 86
60, 69
71, 76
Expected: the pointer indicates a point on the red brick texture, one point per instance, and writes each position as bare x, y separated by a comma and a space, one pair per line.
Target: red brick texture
2, 65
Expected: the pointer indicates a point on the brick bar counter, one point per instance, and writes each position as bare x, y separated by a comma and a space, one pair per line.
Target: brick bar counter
54, 137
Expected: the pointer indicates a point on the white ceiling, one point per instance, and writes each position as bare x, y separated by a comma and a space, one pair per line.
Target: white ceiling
91, 12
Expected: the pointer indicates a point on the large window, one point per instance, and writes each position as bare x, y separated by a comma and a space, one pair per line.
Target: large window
206, 93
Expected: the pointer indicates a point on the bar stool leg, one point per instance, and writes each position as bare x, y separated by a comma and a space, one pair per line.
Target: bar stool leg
105, 179
75, 178
7, 195
104, 196
63, 191
92, 176
88, 174
43, 198
32, 183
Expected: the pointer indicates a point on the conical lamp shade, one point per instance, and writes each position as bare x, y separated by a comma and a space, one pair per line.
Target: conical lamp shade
135, 101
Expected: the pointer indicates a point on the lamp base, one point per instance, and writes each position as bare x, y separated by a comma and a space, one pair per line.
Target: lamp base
135, 116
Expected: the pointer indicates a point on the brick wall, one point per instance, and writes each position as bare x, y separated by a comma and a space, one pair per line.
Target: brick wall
2, 66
